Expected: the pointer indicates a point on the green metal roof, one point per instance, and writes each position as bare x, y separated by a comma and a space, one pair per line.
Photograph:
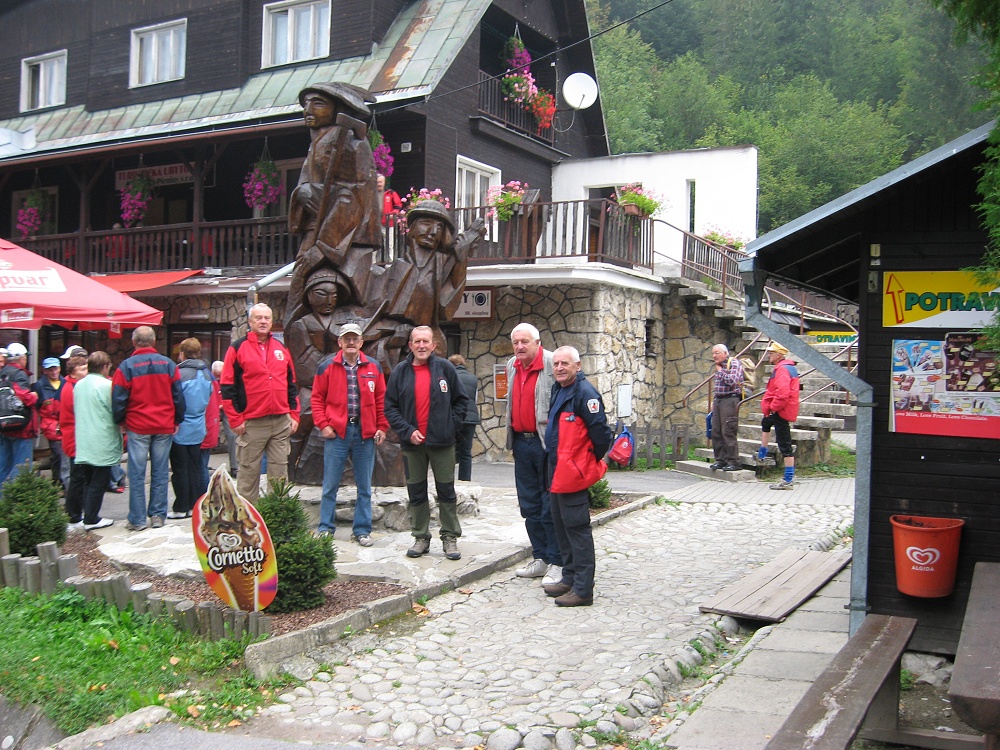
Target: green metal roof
418, 49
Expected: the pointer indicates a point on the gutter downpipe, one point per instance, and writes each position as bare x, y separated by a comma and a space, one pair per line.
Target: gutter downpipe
266, 281
753, 283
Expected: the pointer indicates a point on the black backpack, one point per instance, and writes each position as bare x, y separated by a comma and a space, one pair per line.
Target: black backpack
13, 412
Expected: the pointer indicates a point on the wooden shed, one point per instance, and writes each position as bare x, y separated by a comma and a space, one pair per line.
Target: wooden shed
896, 247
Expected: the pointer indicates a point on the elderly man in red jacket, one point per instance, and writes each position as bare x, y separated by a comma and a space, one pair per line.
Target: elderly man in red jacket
260, 400
348, 406
781, 407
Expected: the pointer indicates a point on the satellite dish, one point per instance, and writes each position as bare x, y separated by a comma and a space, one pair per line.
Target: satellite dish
579, 91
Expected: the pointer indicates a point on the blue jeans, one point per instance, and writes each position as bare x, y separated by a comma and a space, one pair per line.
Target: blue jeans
533, 499
14, 452
156, 450
335, 453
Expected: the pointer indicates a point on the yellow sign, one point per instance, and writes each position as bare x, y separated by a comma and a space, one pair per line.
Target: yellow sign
936, 299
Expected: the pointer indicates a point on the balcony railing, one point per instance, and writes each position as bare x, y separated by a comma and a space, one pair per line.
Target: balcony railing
568, 231
494, 105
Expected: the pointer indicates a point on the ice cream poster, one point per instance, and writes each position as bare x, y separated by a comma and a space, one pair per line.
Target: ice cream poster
947, 387
233, 546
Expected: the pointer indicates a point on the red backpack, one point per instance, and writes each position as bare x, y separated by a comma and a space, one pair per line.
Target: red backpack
623, 448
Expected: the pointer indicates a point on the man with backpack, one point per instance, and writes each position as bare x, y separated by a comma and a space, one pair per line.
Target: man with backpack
781, 407
727, 391
17, 442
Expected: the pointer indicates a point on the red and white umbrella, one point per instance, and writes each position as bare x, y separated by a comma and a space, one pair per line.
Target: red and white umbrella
36, 292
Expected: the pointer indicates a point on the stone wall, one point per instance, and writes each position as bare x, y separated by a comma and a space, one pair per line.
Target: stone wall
608, 325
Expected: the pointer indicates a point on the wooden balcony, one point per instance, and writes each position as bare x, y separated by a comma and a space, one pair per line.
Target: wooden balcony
568, 232
493, 104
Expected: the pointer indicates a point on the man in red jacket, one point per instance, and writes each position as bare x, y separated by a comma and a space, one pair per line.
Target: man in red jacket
781, 407
17, 446
260, 400
146, 397
348, 406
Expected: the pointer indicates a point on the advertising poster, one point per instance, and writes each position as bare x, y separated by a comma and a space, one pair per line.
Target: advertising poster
945, 387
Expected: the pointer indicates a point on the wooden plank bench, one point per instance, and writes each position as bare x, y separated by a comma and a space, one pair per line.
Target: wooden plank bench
861, 681
975, 681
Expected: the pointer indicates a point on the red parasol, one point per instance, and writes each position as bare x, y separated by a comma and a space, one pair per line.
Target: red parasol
36, 292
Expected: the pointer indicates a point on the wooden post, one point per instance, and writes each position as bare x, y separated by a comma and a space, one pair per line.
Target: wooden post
154, 604
81, 583
138, 594
48, 553
218, 624
4, 543
11, 576
170, 602
31, 574
185, 617
68, 566
205, 619
239, 623
121, 590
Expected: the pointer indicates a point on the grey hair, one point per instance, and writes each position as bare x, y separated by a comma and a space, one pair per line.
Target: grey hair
527, 328
574, 355
217, 366
725, 349
143, 336
258, 305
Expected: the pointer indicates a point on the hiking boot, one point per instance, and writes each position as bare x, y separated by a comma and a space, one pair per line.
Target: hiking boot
557, 589
534, 569
363, 539
420, 547
553, 575
135, 526
732, 467
718, 465
783, 485
451, 548
157, 522
572, 599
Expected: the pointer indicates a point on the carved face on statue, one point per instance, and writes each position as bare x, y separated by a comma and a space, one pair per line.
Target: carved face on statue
322, 297
428, 233
319, 111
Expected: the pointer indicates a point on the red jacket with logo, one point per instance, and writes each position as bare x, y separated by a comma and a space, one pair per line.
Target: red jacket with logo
578, 434
146, 393
329, 395
782, 395
258, 381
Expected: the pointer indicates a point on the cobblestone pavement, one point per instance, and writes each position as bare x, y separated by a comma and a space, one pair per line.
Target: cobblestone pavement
498, 656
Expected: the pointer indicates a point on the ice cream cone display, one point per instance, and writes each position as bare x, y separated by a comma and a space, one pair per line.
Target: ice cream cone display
233, 546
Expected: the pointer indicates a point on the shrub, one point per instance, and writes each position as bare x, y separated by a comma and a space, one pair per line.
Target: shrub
305, 563
600, 494
31, 512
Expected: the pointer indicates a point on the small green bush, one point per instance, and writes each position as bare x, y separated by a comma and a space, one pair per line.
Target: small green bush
600, 494
305, 563
31, 512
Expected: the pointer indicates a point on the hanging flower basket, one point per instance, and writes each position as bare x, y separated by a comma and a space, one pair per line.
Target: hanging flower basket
29, 216
636, 200
381, 152
263, 184
543, 107
504, 199
136, 195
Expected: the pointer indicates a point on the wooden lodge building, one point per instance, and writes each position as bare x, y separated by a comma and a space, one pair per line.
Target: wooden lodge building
929, 401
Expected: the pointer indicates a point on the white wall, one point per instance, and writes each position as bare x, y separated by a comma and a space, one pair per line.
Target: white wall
725, 189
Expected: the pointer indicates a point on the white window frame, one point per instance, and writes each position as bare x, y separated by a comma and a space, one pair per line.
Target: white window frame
51, 69
465, 166
159, 35
319, 34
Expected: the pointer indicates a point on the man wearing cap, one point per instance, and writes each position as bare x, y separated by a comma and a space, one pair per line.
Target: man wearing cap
781, 407
17, 446
335, 206
48, 387
348, 407
147, 398
727, 390
261, 401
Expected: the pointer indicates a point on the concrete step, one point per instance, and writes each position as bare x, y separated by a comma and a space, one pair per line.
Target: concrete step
748, 454
750, 431
711, 302
810, 408
697, 292
806, 421
701, 469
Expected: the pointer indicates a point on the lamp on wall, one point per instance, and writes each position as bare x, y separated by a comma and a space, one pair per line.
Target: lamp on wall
195, 316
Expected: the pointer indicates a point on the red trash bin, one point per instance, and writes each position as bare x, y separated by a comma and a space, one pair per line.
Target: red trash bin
926, 553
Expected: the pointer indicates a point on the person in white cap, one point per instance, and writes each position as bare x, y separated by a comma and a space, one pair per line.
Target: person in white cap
73, 351
348, 407
781, 407
17, 446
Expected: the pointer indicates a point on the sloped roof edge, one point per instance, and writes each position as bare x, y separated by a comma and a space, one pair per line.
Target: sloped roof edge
862, 194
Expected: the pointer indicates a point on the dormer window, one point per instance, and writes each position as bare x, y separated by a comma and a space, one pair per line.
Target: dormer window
158, 53
295, 30
43, 81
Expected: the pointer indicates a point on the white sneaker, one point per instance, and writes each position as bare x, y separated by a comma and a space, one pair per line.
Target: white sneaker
535, 569
71, 527
552, 576
102, 524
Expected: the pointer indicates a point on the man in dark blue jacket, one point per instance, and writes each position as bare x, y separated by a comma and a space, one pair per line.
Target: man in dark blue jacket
425, 404
576, 439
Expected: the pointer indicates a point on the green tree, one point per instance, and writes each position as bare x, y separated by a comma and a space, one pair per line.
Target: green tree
688, 103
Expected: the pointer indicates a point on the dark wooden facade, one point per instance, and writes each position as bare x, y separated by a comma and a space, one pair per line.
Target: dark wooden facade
922, 222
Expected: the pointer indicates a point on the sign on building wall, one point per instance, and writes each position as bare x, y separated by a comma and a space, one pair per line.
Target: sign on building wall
165, 174
499, 382
477, 304
945, 387
952, 300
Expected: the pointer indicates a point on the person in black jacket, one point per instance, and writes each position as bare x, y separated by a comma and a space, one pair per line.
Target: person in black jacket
463, 442
425, 404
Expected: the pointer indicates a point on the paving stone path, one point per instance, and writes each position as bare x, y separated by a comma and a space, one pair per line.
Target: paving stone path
498, 661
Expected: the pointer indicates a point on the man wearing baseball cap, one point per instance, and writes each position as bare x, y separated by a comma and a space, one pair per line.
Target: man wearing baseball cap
348, 406
73, 351
781, 407
48, 387
16, 446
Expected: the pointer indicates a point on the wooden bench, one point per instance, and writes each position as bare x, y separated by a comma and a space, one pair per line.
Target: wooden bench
859, 687
975, 681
